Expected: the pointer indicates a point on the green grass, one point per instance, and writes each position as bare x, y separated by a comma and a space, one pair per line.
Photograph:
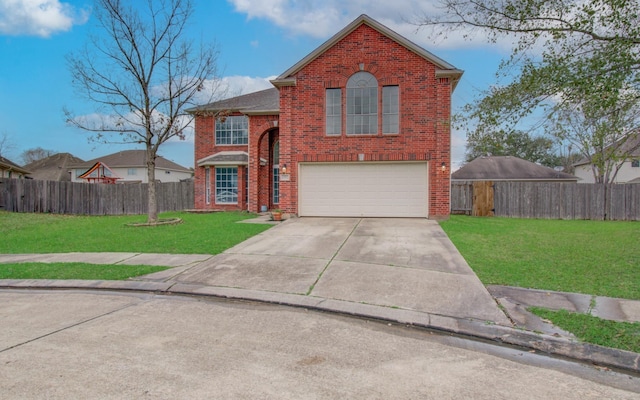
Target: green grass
592, 257
51, 233
74, 271
587, 328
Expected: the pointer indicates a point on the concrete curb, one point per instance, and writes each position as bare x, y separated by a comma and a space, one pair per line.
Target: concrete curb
471, 328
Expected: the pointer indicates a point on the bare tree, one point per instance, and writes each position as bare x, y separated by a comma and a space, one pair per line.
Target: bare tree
6, 145
35, 154
142, 74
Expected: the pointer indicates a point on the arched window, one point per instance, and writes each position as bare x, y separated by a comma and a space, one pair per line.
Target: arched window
362, 104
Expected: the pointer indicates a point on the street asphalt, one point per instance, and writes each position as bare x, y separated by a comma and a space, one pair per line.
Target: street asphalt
398, 270
79, 344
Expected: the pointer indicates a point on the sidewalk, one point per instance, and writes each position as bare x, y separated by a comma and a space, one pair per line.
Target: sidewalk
515, 300
527, 330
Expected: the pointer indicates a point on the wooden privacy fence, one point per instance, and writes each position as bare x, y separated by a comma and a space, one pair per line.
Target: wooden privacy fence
26, 195
554, 200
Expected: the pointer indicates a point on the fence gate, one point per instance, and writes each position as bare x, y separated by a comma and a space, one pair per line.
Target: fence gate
482, 199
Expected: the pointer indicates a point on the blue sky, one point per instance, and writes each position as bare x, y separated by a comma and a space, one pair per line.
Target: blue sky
257, 40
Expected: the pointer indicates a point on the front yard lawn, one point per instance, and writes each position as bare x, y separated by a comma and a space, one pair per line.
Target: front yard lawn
75, 271
592, 257
620, 335
53, 233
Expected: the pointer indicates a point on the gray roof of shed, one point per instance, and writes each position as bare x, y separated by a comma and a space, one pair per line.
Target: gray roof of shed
508, 168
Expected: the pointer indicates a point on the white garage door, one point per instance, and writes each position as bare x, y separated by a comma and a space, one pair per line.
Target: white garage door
363, 190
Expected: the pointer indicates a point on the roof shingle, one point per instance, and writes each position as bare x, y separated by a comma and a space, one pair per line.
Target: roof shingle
508, 168
130, 159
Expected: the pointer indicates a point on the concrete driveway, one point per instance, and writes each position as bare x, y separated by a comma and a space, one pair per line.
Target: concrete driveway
400, 263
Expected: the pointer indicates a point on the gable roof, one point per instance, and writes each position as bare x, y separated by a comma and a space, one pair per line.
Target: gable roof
508, 168
8, 165
53, 168
444, 68
264, 102
130, 159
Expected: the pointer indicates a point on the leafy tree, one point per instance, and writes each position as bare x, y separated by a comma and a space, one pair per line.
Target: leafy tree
35, 154
141, 72
579, 71
605, 138
515, 143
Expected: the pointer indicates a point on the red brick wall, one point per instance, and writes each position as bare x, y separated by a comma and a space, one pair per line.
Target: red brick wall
425, 108
205, 145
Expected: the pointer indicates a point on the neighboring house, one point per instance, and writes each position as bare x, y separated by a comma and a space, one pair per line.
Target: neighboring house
359, 127
9, 169
53, 168
508, 168
629, 170
128, 166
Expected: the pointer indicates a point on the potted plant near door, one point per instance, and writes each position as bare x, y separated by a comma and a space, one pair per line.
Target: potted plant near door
276, 214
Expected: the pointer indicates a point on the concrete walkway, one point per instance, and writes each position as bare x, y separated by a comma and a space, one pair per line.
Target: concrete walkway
401, 270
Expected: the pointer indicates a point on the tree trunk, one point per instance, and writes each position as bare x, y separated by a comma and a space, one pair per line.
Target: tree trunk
607, 199
152, 204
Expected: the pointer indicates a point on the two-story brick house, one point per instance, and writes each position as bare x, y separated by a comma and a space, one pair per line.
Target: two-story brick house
359, 127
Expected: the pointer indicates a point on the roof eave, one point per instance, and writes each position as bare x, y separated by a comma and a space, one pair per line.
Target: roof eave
261, 112
283, 81
8, 167
453, 74
212, 163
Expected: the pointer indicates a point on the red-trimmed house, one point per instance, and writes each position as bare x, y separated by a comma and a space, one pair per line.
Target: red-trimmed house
359, 127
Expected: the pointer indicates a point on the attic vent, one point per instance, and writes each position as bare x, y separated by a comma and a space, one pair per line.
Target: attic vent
443, 80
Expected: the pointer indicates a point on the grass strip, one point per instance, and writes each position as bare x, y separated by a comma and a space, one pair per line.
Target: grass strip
75, 271
591, 257
590, 329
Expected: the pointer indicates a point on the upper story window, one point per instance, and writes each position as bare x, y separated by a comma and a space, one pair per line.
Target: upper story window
362, 104
232, 130
390, 110
635, 163
334, 111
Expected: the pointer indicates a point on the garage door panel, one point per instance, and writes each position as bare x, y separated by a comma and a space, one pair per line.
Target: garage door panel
363, 189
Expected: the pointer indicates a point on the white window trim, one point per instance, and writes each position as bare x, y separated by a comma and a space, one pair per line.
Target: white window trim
216, 186
215, 132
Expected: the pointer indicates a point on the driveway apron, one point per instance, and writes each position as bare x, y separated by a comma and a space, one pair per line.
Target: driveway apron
400, 263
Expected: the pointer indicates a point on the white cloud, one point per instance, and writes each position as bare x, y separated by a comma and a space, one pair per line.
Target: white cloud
38, 17
323, 18
237, 85
458, 148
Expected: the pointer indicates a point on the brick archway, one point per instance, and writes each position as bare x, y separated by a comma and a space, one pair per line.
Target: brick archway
261, 169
